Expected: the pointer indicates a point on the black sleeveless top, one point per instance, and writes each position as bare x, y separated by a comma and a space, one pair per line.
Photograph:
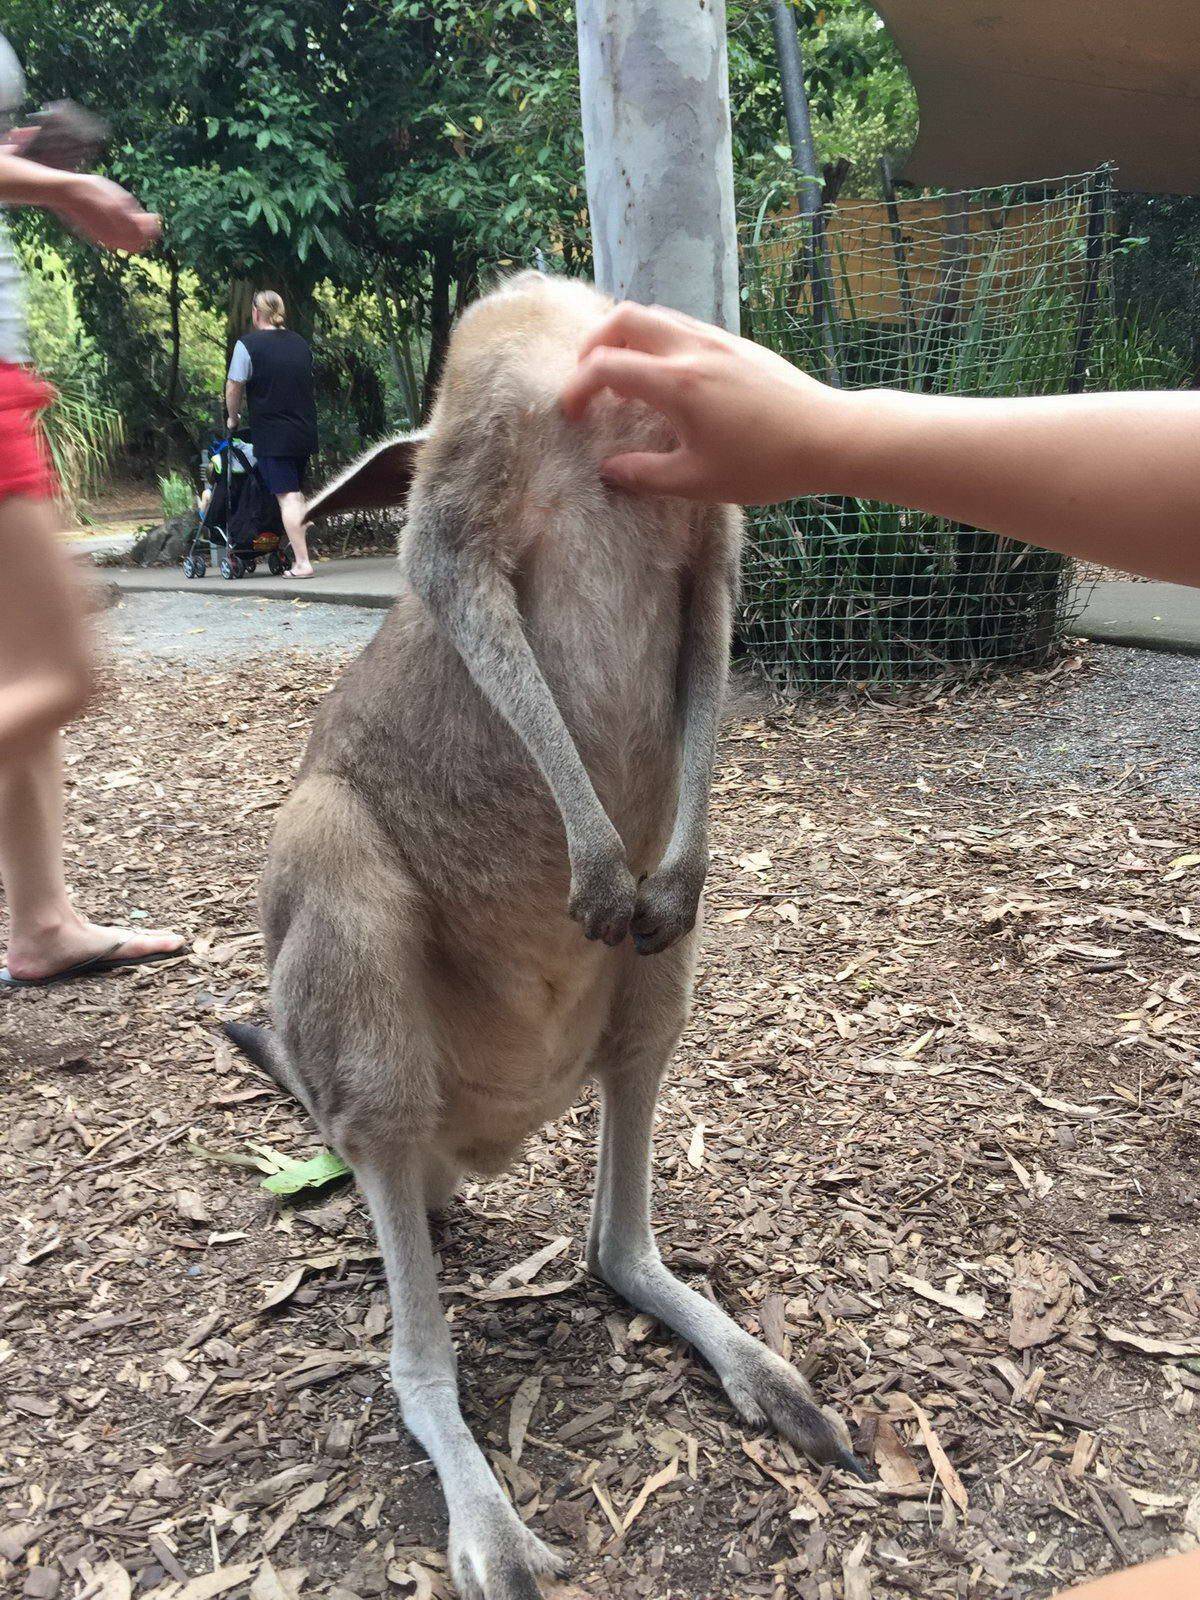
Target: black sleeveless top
283, 410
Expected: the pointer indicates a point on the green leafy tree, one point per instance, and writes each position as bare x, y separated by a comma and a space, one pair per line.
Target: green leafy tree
372, 160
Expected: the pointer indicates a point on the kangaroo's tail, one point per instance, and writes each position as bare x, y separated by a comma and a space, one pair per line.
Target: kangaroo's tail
262, 1046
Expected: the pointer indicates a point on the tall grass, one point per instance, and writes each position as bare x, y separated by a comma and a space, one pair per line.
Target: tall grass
841, 590
176, 495
82, 430
1138, 350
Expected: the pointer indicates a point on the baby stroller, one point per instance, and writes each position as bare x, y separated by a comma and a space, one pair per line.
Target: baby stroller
239, 518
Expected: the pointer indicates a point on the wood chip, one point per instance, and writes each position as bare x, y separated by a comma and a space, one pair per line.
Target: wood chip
272, 1583
277, 1293
217, 1582
897, 1469
947, 1476
856, 1575
971, 1306
1041, 1298
307, 1500
525, 1271
811, 1501
524, 1404
1180, 1349
652, 1485
695, 1153
527, 1291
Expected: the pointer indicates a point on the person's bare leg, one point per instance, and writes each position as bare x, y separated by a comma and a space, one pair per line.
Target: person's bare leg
45, 679
45, 659
46, 933
291, 508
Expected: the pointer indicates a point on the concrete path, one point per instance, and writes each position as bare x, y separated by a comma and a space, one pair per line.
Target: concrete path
360, 581
99, 544
1156, 616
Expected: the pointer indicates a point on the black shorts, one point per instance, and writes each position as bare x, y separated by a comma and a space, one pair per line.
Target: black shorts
283, 474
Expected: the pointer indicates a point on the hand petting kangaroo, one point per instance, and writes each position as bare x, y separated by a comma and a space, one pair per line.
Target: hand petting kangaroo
486, 888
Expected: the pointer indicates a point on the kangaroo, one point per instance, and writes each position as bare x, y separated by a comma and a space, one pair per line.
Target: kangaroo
485, 889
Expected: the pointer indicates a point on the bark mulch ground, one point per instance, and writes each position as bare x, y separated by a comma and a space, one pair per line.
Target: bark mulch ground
932, 1133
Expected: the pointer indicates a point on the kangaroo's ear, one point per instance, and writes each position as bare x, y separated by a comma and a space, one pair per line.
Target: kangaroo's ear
378, 480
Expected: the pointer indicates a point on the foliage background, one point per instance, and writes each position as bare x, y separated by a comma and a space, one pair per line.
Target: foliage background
372, 161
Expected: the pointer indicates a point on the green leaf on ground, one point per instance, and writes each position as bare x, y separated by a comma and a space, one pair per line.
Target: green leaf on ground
285, 1175
318, 1170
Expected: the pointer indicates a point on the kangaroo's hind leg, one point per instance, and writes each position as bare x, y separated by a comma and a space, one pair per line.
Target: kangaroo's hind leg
621, 1246
493, 1555
364, 1054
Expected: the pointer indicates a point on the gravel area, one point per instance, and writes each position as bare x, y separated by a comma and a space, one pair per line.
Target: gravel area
1129, 719
185, 627
931, 1134
1118, 718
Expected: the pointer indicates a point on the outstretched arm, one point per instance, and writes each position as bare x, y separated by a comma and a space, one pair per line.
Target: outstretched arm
102, 211
1114, 478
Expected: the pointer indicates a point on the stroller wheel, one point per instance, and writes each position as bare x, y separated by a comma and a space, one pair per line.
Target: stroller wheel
249, 568
231, 567
189, 567
275, 564
199, 566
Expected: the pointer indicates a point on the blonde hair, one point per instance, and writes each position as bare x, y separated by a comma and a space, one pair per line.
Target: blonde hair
270, 305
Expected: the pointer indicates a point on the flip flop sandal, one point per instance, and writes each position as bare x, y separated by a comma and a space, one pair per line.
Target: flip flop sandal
106, 961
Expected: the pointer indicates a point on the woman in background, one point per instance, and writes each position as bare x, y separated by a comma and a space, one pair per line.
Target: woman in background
272, 368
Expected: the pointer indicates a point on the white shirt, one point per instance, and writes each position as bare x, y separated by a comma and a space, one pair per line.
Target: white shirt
240, 365
14, 346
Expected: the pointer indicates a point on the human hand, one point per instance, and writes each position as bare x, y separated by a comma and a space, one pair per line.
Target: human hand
17, 140
105, 213
751, 428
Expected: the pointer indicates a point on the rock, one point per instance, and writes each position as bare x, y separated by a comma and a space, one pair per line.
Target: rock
147, 547
163, 546
190, 1206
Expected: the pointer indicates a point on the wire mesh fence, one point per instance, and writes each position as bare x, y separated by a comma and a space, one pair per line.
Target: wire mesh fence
972, 293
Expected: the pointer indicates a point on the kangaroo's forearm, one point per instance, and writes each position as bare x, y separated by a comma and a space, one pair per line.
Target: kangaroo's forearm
475, 605
704, 668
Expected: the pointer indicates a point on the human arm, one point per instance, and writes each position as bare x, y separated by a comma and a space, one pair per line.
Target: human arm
240, 369
1113, 478
235, 394
1175, 1578
102, 211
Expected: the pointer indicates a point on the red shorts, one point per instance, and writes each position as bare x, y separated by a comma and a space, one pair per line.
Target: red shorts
25, 467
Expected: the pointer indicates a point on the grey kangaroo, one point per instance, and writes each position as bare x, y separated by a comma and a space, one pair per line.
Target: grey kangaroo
519, 759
